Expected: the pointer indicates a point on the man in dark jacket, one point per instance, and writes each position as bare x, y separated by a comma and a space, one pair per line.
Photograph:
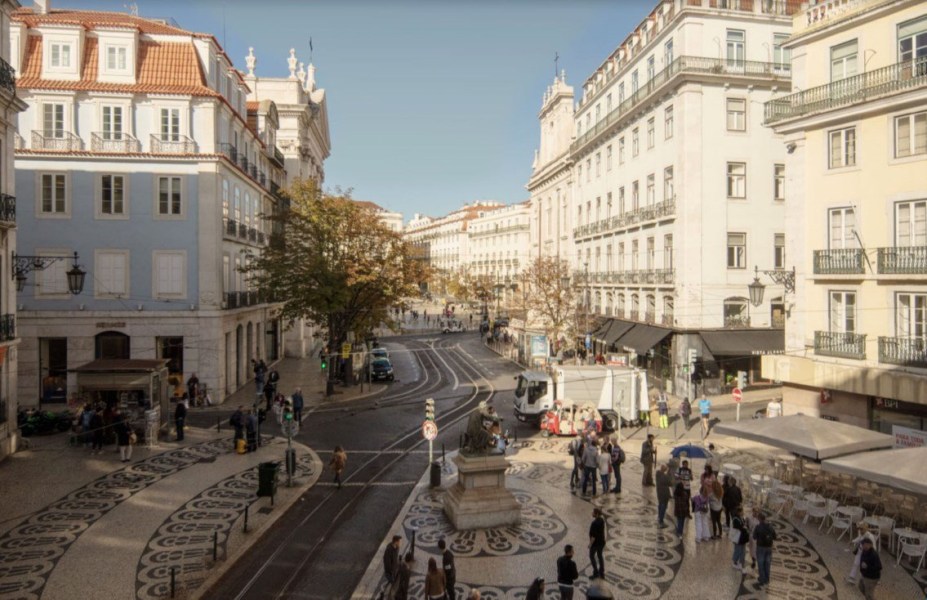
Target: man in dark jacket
450, 571
597, 544
731, 499
298, 403
180, 415
765, 535
405, 573
648, 457
870, 567
391, 566
566, 573
237, 420
664, 493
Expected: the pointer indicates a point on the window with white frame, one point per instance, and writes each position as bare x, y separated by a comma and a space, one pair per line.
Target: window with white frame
635, 142
620, 264
608, 205
737, 251
668, 251
668, 310
579, 128
779, 251
621, 204
911, 223
651, 190
117, 58
782, 57
844, 60
621, 151
226, 200
53, 279
736, 42
912, 45
778, 182
110, 273
842, 148
170, 124
609, 265
60, 55
112, 195
668, 190
635, 82
598, 112
651, 68
842, 311
911, 134
911, 315
842, 224
736, 114
620, 92
608, 158
608, 103
112, 122
635, 255
598, 208
170, 196
598, 164
651, 133
226, 272
619, 307
54, 194
735, 312
588, 169
635, 196
651, 252
53, 120
236, 212
170, 268
736, 180
668, 122
667, 53
579, 174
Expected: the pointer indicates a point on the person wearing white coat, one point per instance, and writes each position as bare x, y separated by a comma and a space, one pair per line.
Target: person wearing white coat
856, 545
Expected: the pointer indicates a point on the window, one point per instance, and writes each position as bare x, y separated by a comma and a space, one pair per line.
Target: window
579, 128
620, 92
619, 309
598, 164
608, 258
621, 205
112, 345
651, 190
608, 206
911, 134
61, 55
53, 279
54, 194
668, 191
635, 265
736, 40
842, 222
911, 223
236, 207
737, 251
579, 174
736, 180
116, 58
668, 251
110, 273
226, 204
112, 122
779, 182
651, 253
170, 274
651, 68
782, 57
598, 208
843, 60
843, 148
608, 103
620, 264
912, 44
779, 251
608, 158
620, 151
53, 120
668, 310
598, 112
736, 114
588, 169
668, 53
911, 315
668, 122
635, 82
169, 196
112, 195
635, 196
651, 133
842, 312
735, 312
635, 142
170, 124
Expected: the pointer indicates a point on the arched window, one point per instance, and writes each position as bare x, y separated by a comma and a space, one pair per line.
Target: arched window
735, 312
635, 307
668, 316
619, 310
609, 304
111, 344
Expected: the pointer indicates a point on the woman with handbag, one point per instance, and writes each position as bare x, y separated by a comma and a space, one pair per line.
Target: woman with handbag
123, 435
739, 537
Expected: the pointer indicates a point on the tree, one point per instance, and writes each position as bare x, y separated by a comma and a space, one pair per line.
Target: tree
335, 262
550, 297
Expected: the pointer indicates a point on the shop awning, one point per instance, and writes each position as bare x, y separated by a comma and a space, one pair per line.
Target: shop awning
641, 338
121, 365
908, 467
619, 328
744, 342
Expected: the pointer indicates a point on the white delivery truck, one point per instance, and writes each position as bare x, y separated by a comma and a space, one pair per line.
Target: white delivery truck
615, 391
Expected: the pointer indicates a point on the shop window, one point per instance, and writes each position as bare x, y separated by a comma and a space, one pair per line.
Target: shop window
111, 345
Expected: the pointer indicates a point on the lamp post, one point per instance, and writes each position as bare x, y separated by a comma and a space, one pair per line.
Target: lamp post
23, 265
779, 276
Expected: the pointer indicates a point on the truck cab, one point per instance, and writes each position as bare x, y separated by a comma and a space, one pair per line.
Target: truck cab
531, 396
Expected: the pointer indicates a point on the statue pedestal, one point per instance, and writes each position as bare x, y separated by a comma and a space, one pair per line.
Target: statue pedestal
479, 499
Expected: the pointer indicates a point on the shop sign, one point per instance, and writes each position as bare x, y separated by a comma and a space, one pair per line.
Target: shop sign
618, 360
905, 437
110, 324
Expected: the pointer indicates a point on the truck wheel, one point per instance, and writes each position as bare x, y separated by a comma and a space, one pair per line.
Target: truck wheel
611, 422
545, 433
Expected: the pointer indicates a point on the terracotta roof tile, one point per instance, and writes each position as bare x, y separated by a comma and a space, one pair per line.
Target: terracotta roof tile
90, 19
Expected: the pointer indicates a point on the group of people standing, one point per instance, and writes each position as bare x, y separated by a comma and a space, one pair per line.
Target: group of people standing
96, 421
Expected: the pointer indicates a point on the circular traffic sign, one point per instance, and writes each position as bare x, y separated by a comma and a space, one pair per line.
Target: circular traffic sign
737, 395
429, 430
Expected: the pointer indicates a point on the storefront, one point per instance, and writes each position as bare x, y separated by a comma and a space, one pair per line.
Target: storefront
134, 385
887, 413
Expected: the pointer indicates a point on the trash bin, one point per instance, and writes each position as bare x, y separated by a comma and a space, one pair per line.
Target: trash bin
267, 478
435, 474
599, 590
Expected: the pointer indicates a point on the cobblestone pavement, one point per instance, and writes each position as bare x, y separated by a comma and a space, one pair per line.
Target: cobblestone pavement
642, 561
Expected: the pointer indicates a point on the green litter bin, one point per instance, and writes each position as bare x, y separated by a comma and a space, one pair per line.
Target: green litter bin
267, 478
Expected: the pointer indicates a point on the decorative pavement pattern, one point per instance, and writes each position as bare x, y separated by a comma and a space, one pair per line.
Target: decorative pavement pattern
30, 551
185, 539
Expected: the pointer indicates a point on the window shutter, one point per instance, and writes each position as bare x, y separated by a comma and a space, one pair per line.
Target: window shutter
176, 273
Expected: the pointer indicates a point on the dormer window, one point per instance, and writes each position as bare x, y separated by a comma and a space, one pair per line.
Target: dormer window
117, 58
60, 56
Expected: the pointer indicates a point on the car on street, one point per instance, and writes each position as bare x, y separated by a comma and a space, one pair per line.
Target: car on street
381, 369
379, 353
453, 326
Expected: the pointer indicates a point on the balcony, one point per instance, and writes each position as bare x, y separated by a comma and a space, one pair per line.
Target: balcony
871, 85
231, 227
650, 317
116, 143
633, 217
667, 320
243, 162
231, 300
7, 210
840, 261
840, 345
665, 276
736, 322
276, 157
907, 352
252, 234
260, 238
229, 151
903, 260
7, 77
174, 144
61, 141
635, 314
242, 231
7, 327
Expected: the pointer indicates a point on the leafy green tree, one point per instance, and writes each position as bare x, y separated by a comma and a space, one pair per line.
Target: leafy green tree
550, 298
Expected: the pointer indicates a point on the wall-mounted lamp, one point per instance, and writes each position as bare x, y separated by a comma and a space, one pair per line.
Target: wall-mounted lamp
23, 265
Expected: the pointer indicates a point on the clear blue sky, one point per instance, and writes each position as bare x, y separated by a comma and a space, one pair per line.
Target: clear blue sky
432, 104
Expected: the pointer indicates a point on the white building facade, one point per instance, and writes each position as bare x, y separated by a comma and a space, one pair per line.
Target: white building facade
499, 244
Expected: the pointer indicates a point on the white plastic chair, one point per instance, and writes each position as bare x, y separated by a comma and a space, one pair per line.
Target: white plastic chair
913, 547
777, 501
844, 520
821, 511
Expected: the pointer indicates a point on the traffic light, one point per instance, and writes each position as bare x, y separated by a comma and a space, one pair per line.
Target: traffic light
430, 409
741, 379
324, 362
288, 410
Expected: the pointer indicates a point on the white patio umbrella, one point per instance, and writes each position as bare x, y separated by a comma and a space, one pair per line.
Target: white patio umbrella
901, 468
811, 437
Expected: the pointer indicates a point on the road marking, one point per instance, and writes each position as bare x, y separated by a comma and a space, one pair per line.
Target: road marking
349, 451
454, 373
371, 484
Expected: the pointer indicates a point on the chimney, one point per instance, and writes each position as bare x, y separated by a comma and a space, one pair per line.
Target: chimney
41, 7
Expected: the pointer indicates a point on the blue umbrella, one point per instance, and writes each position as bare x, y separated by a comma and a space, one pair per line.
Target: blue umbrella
691, 451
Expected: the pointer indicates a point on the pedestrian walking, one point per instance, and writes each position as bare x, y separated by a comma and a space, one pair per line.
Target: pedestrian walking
193, 387
704, 409
605, 466
450, 571
680, 507
258, 369
576, 448
870, 567
684, 476
96, 432
298, 402
86, 416
663, 410
590, 464
269, 394
648, 457
700, 514
597, 543
536, 589
391, 567
618, 458
251, 429
739, 537
664, 492
237, 420
338, 460
715, 506
405, 575
685, 411
435, 586
180, 416
856, 545
731, 498
752, 521
123, 431
765, 535
567, 573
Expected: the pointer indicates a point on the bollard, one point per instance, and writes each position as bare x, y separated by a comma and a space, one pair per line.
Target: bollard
442, 454
215, 546
173, 581
246, 519
412, 550
218, 424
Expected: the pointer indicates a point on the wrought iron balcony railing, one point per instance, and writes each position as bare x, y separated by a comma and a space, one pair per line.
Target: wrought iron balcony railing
840, 345
900, 77
229, 151
252, 234
231, 299
172, 144
667, 320
7, 327
7, 209
231, 227
277, 157
117, 143
242, 230
61, 141
7, 77
737, 322
903, 260
908, 352
840, 261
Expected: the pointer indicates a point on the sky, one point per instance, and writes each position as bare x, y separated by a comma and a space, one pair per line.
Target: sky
432, 104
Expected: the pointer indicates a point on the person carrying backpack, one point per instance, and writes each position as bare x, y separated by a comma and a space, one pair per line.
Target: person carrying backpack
618, 458
739, 537
765, 535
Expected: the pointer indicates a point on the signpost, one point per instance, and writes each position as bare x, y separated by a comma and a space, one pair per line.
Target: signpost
738, 396
430, 433
345, 350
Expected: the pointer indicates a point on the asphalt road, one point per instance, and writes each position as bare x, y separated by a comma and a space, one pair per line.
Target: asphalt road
321, 547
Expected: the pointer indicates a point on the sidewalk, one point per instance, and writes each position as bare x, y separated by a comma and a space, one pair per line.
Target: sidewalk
77, 525
642, 561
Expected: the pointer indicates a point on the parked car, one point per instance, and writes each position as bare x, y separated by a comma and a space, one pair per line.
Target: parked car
381, 369
453, 326
379, 353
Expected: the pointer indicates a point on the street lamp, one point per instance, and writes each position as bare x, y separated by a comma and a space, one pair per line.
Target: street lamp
23, 265
779, 276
